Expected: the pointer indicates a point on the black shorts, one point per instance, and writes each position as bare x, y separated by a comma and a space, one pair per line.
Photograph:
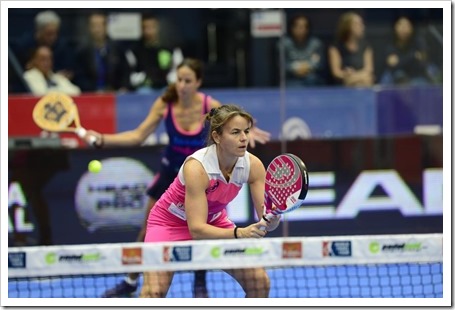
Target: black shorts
160, 183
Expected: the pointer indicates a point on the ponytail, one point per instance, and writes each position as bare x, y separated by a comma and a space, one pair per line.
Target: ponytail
170, 94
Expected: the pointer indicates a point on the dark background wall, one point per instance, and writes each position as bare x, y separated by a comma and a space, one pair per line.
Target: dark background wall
56, 213
188, 29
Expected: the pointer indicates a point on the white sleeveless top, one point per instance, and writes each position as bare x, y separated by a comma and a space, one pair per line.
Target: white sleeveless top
170, 207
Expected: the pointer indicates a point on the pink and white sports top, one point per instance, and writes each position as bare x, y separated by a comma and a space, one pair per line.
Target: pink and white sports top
169, 210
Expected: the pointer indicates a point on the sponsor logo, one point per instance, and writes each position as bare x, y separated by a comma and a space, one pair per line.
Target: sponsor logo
363, 195
399, 247
213, 187
296, 128
292, 249
177, 253
18, 212
53, 258
336, 248
113, 199
131, 256
217, 252
17, 260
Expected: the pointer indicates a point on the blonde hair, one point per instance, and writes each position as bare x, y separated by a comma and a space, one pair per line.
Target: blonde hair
218, 117
344, 26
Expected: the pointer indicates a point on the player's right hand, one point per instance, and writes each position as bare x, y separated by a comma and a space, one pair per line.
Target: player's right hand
88, 137
272, 221
252, 231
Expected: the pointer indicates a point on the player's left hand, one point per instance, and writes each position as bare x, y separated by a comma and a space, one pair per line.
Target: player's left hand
258, 135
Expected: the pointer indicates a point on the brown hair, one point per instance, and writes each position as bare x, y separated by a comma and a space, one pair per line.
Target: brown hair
344, 26
218, 117
170, 94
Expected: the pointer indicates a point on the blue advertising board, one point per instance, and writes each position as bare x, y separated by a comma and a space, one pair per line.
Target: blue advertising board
400, 110
324, 112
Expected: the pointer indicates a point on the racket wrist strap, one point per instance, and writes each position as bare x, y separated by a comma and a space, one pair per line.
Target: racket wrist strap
265, 218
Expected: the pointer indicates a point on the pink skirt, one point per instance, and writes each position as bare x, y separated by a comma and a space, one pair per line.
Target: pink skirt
162, 233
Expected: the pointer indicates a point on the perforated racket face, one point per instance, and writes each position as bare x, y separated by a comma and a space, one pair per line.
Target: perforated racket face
54, 112
283, 181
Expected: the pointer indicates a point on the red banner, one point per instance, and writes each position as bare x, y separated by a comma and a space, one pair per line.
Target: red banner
96, 111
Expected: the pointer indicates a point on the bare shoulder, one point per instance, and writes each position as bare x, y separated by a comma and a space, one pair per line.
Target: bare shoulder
214, 103
159, 102
193, 168
194, 171
159, 106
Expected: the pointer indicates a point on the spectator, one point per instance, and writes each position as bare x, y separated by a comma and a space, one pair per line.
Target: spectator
406, 58
41, 79
351, 57
303, 54
47, 27
153, 64
101, 63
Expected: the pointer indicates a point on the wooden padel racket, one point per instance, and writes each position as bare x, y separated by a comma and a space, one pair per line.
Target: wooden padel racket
57, 112
286, 184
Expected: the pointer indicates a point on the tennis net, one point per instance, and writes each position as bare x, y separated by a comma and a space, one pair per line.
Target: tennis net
374, 266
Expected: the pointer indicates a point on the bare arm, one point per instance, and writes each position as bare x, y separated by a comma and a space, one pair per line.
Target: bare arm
335, 63
257, 189
256, 182
135, 136
368, 61
351, 77
196, 208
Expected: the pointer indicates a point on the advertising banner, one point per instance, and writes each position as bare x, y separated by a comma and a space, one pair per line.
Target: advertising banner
357, 187
96, 112
226, 254
325, 112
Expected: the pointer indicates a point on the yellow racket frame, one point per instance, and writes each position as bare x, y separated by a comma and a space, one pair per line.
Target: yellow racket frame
56, 112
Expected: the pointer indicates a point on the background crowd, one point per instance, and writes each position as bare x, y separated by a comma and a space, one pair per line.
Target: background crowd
70, 49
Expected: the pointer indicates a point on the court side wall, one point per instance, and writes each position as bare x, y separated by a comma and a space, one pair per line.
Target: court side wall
312, 112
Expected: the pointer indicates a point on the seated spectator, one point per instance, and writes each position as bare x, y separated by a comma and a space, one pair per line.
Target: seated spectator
406, 58
41, 79
303, 54
351, 57
151, 62
46, 32
100, 62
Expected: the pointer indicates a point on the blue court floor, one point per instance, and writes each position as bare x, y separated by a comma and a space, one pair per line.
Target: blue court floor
372, 281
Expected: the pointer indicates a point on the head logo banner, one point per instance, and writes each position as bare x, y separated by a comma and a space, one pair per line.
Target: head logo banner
115, 197
336, 248
177, 253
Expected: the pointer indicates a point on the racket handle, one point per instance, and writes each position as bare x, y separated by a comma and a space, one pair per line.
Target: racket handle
82, 132
266, 218
92, 140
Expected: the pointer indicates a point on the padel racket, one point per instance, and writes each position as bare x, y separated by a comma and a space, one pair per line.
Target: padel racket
57, 112
286, 184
